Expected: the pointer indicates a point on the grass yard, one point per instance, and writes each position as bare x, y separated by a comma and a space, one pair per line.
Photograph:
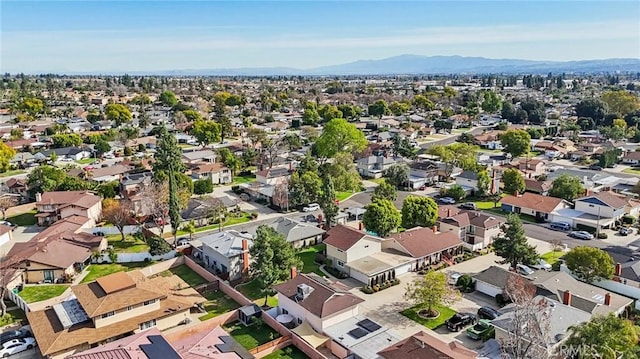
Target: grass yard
12, 316
484, 205
100, 270
38, 293
252, 291
240, 179
12, 173
290, 352
308, 256
633, 171
252, 336
130, 245
188, 275
445, 314
552, 257
24, 219
86, 161
217, 303
244, 218
376, 180
342, 195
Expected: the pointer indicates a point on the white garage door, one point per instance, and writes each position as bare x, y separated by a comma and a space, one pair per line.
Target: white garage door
358, 276
403, 269
558, 218
487, 289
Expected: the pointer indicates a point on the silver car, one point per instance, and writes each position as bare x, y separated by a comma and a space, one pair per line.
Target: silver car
581, 235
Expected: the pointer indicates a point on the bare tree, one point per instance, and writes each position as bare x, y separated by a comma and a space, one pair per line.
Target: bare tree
155, 202
6, 202
118, 213
271, 148
281, 194
528, 327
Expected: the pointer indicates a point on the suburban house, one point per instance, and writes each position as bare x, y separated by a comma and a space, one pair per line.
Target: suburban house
17, 186
558, 286
422, 346
218, 173
423, 173
631, 158
374, 166
72, 153
359, 337
195, 157
538, 206
425, 246
316, 301
108, 174
226, 253
203, 209
110, 308
538, 187
300, 235
489, 140
273, 176
602, 205
53, 206
476, 229
468, 180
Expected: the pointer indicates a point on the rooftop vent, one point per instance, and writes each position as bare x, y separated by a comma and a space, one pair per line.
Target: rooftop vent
304, 291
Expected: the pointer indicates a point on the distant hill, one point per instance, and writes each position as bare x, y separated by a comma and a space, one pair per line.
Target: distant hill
418, 65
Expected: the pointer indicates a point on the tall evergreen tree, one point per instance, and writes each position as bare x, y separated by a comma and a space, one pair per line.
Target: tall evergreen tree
512, 245
328, 201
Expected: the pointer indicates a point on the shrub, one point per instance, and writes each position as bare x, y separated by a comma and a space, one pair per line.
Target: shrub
602, 235
202, 186
556, 266
628, 219
236, 189
582, 227
465, 282
254, 215
500, 300
128, 151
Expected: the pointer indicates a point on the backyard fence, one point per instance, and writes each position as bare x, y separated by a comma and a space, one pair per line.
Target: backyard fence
17, 300
136, 257
270, 347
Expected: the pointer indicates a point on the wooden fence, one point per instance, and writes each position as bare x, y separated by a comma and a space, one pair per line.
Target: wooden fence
270, 347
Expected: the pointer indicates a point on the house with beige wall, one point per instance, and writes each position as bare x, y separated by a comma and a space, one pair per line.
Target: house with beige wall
112, 307
54, 206
477, 230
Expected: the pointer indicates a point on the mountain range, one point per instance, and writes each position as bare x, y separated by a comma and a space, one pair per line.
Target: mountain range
420, 65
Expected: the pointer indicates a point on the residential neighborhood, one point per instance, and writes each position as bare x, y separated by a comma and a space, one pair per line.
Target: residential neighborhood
309, 217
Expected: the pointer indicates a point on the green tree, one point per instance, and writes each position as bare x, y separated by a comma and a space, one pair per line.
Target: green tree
206, 132
190, 228
421, 102
329, 112
456, 192
611, 337
202, 186
513, 181
343, 172
140, 100
609, 158
310, 116
61, 140
230, 160
402, 147
338, 136
118, 113
419, 211
379, 109
491, 102
32, 106
455, 155
304, 189
621, 102
192, 115
512, 244
590, 264
399, 108
6, 155
168, 98
398, 174
381, 217
516, 142
484, 183
157, 245
429, 291
328, 201
101, 146
168, 164
592, 108
567, 187
44, 179
350, 112
272, 258
385, 190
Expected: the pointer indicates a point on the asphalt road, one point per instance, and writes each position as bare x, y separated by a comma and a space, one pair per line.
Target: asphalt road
450, 140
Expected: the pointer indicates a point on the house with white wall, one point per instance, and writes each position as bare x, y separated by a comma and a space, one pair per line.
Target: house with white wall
226, 253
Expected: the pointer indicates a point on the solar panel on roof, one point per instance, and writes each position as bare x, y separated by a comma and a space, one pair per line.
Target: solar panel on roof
358, 333
368, 325
159, 348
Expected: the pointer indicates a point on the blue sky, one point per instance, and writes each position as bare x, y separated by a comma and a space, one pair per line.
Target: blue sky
101, 36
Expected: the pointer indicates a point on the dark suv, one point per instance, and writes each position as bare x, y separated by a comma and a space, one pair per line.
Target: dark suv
459, 321
488, 313
14, 334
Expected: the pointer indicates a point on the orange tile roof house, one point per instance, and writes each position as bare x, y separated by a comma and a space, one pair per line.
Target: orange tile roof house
425, 346
533, 204
54, 206
110, 308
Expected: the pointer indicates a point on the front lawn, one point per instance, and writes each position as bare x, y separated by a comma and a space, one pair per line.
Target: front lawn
308, 257
130, 245
552, 257
24, 219
377, 180
290, 352
231, 220
247, 178
12, 173
217, 303
633, 171
445, 314
252, 291
342, 195
38, 293
12, 316
252, 336
86, 161
188, 275
100, 270
484, 205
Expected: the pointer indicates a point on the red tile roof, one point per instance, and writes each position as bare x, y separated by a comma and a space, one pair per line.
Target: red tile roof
343, 237
533, 201
421, 242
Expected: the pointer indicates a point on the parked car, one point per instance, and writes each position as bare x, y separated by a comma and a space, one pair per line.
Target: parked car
469, 205
14, 334
311, 207
488, 313
447, 200
483, 330
182, 241
595, 168
625, 231
15, 346
541, 264
581, 235
7, 223
459, 321
524, 270
560, 226
66, 159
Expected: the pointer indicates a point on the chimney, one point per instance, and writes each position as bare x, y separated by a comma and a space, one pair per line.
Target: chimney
618, 270
38, 197
245, 256
294, 272
435, 229
449, 212
360, 226
607, 299
566, 298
